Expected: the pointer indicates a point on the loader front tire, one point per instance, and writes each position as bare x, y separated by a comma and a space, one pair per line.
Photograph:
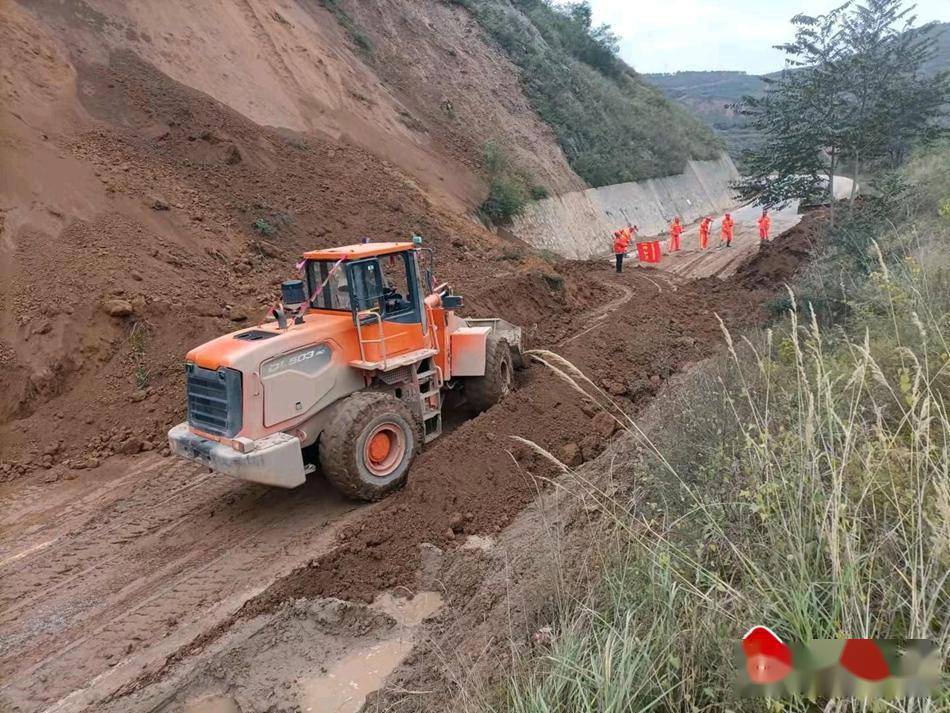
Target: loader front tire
368, 446
483, 392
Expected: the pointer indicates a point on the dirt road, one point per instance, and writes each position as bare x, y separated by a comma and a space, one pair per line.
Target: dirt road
120, 579
722, 262
107, 571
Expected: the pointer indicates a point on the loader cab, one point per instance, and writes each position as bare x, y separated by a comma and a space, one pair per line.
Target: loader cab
388, 284
380, 285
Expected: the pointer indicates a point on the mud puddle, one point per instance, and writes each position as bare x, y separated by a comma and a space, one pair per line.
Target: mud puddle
409, 612
345, 687
317, 656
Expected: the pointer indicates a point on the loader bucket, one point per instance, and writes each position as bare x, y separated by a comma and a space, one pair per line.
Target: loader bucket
506, 330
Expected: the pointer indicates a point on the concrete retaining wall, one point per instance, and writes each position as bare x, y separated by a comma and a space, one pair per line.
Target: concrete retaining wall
579, 225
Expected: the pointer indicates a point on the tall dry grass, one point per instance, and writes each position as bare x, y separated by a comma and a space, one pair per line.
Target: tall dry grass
803, 484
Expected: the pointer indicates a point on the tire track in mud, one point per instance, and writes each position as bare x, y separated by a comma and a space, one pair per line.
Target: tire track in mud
599, 314
160, 549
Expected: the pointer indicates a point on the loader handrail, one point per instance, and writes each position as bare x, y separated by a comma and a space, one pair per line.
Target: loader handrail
363, 342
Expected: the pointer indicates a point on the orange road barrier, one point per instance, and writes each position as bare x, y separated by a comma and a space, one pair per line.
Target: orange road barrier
650, 251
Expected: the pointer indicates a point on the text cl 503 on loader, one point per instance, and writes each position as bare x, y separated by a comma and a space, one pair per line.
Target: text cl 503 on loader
348, 375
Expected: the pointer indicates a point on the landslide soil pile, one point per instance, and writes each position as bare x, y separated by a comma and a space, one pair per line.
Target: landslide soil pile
476, 479
777, 262
146, 217
487, 477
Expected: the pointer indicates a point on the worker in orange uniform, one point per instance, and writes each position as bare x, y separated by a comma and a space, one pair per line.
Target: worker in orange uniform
704, 227
632, 231
727, 226
676, 230
765, 222
621, 243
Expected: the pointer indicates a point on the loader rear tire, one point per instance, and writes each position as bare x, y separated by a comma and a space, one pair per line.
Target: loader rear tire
483, 392
369, 445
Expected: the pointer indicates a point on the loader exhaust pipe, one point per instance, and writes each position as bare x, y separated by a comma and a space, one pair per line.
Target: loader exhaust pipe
293, 300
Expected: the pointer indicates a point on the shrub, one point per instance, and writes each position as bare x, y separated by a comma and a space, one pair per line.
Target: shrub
264, 227
506, 200
539, 193
510, 189
355, 34
494, 160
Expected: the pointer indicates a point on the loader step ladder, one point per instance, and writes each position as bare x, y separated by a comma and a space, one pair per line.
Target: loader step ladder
394, 362
430, 395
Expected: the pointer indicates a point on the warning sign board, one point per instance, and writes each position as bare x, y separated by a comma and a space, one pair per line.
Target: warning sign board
649, 251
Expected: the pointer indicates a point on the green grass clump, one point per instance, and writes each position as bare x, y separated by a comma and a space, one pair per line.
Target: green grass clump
510, 189
507, 197
264, 227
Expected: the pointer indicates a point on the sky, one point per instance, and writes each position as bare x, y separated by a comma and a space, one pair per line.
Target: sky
674, 35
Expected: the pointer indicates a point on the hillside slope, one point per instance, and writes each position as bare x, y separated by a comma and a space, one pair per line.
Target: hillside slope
163, 165
293, 65
613, 126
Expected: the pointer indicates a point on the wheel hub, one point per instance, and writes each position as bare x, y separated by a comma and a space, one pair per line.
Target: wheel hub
384, 449
379, 447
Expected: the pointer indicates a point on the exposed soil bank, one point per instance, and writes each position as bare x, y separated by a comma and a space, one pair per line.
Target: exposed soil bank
189, 216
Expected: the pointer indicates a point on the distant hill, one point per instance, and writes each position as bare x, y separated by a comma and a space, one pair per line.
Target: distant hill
941, 60
710, 95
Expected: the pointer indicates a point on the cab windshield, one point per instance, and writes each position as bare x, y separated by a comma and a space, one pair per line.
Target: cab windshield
328, 286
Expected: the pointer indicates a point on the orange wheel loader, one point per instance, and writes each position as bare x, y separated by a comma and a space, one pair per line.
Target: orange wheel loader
346, 376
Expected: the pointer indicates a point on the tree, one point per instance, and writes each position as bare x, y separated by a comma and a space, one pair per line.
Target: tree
890, 102
596, 46
852, 93
799, 116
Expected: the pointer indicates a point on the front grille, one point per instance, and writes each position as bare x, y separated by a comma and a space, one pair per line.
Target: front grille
214, 400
